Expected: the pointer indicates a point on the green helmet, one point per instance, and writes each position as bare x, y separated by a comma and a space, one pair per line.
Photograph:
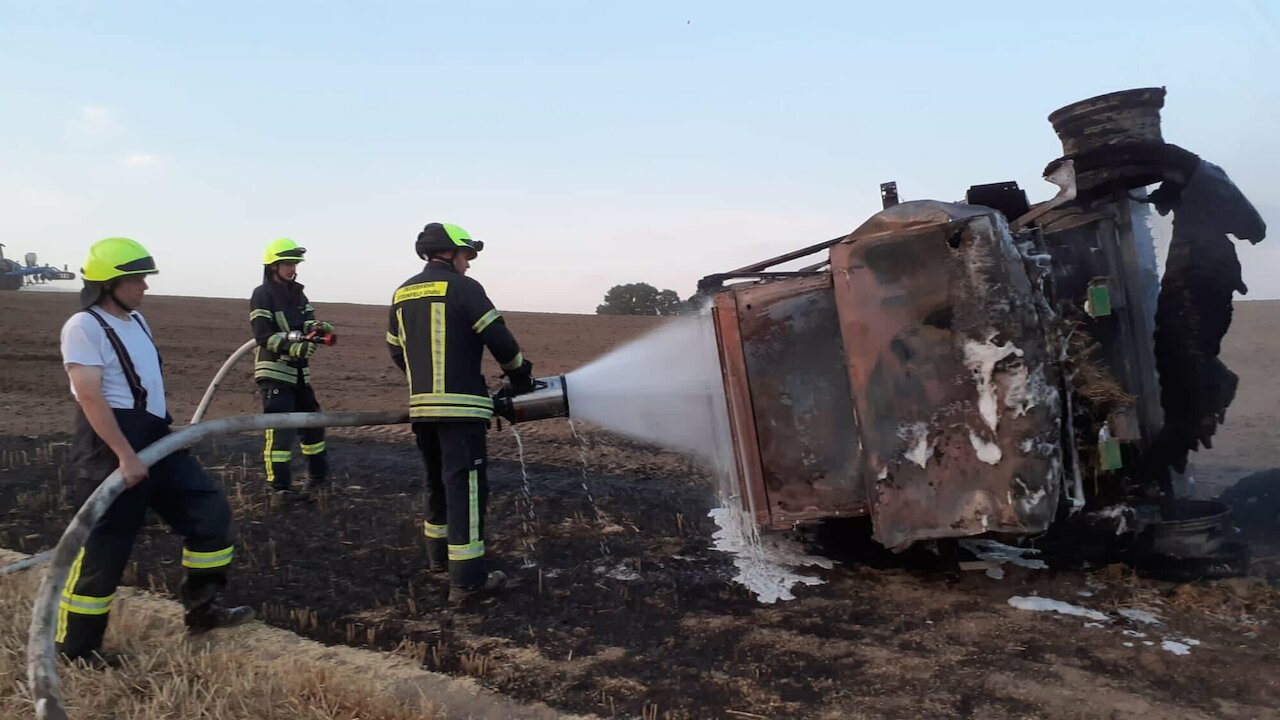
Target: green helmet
116, 257
282, 250
437, 237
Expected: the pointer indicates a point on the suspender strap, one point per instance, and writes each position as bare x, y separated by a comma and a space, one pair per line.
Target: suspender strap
126, 363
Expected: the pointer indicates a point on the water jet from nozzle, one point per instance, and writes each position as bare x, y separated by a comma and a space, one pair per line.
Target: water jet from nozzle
664, 388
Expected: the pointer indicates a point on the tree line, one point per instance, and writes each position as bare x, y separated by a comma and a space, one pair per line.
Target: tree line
643, 299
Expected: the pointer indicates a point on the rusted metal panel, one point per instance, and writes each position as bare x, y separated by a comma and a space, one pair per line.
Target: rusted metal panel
955, 389
742, 420
805, 424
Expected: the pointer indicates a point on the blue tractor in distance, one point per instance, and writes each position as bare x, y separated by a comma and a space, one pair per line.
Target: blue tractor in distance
13, 275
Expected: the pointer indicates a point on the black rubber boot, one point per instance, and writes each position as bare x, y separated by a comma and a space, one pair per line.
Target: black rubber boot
437, 555
97, 660
290, 496
212, 616
493, 584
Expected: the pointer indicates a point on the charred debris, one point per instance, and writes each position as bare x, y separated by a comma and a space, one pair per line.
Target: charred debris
1001, 369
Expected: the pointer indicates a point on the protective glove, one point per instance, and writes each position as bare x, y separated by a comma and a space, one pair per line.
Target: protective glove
302, 350
521, 379
319, 326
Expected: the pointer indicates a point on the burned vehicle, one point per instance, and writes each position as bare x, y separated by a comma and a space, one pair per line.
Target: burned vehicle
992, 367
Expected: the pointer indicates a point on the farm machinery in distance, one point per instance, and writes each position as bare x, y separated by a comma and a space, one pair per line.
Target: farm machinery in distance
15, 275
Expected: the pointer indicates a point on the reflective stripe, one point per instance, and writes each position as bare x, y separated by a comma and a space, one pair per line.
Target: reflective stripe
87, 605
404, 344
273, 375
438, 532
267, 453
485, 321
280, 455
278, 371
259, 313
60, 633
393, 340
308, 309
473, 506
437, 347
514, 362
470, 551
207, 560
450, 411
314, 449
483, 401
282, 321
421, 290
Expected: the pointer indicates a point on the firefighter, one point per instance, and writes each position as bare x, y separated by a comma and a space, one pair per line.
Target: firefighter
440, 323
282, 366
117, 381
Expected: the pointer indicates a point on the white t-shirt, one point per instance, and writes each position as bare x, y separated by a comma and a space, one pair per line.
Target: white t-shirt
84, 342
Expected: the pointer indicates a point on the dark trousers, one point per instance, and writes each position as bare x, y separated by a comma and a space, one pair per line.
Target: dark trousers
179, 492
278, 397
456, 494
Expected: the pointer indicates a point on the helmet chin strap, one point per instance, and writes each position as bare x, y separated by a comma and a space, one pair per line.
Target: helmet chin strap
111, 293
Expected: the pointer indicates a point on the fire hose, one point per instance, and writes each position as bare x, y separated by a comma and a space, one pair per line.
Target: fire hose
292, 336
201, 409
548, 399
42, 673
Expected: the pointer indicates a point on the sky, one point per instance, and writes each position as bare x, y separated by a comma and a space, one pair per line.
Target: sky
587, 143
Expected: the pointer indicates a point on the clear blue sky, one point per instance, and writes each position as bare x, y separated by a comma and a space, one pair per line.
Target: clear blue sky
588, 143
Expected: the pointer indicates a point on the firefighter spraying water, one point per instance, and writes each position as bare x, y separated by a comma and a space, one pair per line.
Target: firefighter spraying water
949, 370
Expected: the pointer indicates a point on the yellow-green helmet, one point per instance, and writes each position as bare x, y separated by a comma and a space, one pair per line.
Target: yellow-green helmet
116, 257
438, 237
282, 250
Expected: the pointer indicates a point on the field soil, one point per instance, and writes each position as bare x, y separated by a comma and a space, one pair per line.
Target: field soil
622, 607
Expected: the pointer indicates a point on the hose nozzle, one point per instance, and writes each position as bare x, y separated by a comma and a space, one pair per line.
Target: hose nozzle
548, 399
318, 338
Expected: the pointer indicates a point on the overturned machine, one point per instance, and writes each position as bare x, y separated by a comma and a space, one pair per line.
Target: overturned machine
989, 366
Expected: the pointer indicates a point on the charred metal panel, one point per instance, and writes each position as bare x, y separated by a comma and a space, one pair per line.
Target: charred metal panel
1089, 250
799, 386
955, 389
742, 420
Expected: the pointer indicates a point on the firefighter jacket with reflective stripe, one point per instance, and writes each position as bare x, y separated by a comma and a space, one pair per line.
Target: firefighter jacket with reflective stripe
274, 310
440, 324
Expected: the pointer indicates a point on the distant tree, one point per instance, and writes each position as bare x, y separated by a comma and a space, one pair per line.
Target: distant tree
640, 299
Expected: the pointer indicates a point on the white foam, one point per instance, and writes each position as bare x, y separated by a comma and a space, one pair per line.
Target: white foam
916, 436
993, 551
988, 452
1039, 604
766, 563
981, 358
1176, 648
1142, 616
666, 388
